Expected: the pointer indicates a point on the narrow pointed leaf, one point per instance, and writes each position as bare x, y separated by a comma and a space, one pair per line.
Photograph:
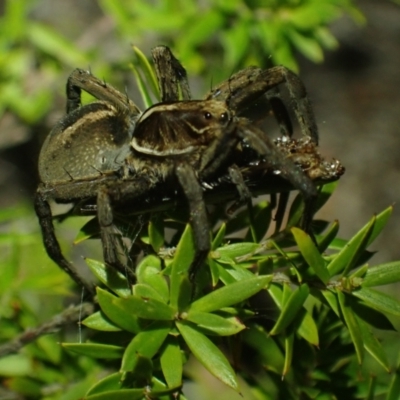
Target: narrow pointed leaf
106, 351
209, 355
156, 232
142, 87
290, 309
347, 257
330, 235
109, 383
147, 308
145, 344
231, 294
100, 322
378, 300
172, 362
307, 328
352, 325
232, 251
88, 230
380, 222
215, 323
148, 71
289, 341
394, 388
117, 314
382, 274
123, 394
219, 237
184, 256
110, 277
311, 254
372, 345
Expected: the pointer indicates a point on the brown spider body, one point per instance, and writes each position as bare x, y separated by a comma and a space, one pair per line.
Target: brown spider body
111, 154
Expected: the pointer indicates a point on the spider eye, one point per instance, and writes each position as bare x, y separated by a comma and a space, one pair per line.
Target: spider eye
207, 115
224, 116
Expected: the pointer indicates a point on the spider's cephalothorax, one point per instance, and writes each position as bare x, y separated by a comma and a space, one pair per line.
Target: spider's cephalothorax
112, 154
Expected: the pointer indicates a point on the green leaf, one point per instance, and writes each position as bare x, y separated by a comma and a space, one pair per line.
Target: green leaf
352, 325
311, 254
156, 232
231, 294
109, 383
382, 274
326, 240
230, 252
149, 272
307, 327
346, 260
123, 394
209, 355
378, 300
145, 344
117, 314
148, 71
394, 388
219, 237
95, 350
184, 256
88, 230
172, 362
290, 309
380, 222
110, 277
100, 322
289, 341
147, 308
372, 345
222, 326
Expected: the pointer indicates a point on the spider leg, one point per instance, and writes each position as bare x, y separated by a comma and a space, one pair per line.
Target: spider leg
248, 85
83, 80
198, 215
51, 244
109, 236
171, 75
260, 142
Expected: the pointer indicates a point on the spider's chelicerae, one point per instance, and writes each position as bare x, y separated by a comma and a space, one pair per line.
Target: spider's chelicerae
111, 153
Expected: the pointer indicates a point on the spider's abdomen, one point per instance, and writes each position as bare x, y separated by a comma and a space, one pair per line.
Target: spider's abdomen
91, 141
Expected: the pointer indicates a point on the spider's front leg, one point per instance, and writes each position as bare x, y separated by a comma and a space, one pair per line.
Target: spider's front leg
198, 215
249, 85
83, 80
108, 233
171, 75
260, 142
51, 244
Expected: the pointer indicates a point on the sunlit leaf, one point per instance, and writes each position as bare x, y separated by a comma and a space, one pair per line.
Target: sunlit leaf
231, 294
209, 355
95, 350
172, 362
290, 309
311, 254
353, 326
382, 274
213, 323
145, 344
378, 300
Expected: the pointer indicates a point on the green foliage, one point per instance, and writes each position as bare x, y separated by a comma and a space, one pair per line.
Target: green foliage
271, 314
311, 316
233, 33
245, 30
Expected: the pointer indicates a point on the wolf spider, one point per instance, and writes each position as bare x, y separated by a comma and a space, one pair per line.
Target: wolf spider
111, 154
